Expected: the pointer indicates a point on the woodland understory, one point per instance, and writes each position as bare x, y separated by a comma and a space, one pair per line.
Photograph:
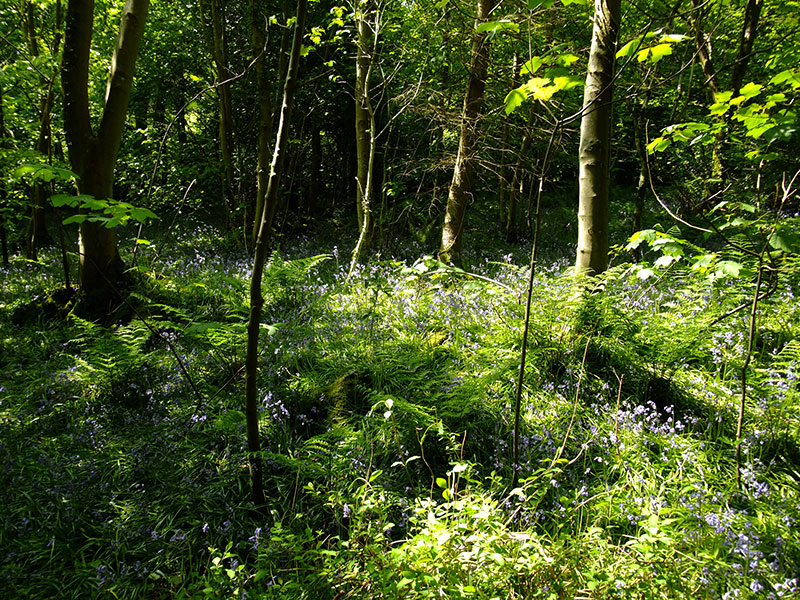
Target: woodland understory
386, 413
399, 299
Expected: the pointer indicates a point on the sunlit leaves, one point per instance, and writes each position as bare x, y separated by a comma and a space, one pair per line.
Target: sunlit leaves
494, 27
789, 77
672, 249
109, 212
651, 53
541, 88
692, 132
514, 99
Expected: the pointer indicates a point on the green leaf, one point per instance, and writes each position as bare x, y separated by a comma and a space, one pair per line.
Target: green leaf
534, 4
142, 214
441, 482
751, 89
531, 66
514, 99
659, 144
702, 263
567, 59
492, 27
728, 268
660, 51
117, 220
75, 219
91, 203
789, 76
628, 48
665, 260
673, 37
59, 200
785, 240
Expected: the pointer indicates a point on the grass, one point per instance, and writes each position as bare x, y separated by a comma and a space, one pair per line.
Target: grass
387, 413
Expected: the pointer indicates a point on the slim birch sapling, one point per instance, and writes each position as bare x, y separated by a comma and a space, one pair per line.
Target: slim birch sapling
260, 254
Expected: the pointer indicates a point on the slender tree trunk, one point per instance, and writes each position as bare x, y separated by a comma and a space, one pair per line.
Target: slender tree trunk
512, 225
315, 185
93, 157
704, 55
461, 184
260, 252
264, 115
3, 238
365, 124
37, 234
713, 83
504, 183
641, 184
752, 14
218, 44
595, 142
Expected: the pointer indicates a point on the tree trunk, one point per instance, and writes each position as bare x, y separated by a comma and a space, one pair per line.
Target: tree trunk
218, 44
3, 237
595, 142
752, 13
712, 80
265, 114
93, 157
511, 224
461, 184
641, 184
365, 125
315, 185
37, 234
503, 179
261, 245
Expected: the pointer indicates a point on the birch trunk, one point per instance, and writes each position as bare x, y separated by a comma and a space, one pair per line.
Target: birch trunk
595, 143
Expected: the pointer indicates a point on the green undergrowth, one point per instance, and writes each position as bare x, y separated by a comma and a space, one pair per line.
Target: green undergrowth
387, 412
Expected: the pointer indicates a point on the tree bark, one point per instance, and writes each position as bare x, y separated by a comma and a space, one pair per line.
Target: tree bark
219, 54
315, 184
595, 142
461, 184
3, 237
365, 125
641, 184
517, 182
752, 14
93, 157
503, 180
260, 254
704, 48
37, 234
264, 117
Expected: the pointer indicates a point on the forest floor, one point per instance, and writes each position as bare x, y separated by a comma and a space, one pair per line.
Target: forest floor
388, 409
